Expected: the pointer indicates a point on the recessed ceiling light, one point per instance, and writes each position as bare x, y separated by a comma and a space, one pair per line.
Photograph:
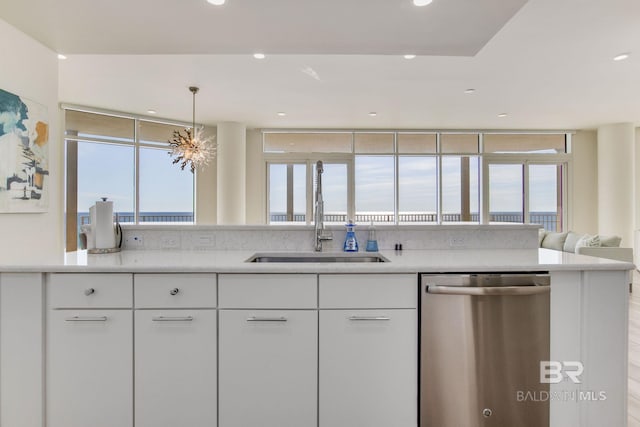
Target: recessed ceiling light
410, 56
281, 113
152, 111
259, 55
502, 115
621, 57
422, 2
373, 114
217, 2
61, 56
469, 91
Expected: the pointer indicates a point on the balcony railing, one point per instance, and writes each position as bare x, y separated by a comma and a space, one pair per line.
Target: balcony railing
153, 217
549, 220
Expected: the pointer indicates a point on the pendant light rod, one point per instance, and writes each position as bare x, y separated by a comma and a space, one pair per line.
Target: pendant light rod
194, 90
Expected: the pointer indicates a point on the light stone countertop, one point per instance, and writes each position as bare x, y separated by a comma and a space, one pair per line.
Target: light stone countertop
407, 261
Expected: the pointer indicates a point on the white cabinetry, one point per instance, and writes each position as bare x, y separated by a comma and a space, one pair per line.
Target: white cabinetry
21, 350
90, 375
368, 352
175, 350
268, 355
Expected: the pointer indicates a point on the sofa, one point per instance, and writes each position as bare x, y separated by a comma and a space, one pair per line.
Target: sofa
584, 244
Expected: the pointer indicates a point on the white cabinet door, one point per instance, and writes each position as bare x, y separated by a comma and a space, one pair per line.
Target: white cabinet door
21, 350
268, 368
90, 368
368, 368
175, 368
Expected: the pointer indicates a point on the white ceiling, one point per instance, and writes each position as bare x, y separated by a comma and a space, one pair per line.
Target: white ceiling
330, 63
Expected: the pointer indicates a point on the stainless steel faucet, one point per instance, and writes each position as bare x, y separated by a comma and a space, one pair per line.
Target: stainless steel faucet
320, 232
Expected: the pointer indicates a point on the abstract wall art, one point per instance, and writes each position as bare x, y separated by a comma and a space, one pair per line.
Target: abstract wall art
24, 155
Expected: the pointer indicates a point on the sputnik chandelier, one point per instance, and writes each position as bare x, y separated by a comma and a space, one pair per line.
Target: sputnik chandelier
192, 147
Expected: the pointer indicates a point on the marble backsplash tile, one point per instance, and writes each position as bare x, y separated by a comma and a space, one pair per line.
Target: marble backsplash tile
301, 238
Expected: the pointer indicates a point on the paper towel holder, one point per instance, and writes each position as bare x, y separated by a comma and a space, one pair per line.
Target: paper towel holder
117, 230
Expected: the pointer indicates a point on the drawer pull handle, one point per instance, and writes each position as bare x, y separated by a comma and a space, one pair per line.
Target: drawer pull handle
266, 319
174, 291
172, 319
367, 318
89, 291
86, 319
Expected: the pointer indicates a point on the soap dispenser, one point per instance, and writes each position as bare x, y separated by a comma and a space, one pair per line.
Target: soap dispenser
372, 242
350, 241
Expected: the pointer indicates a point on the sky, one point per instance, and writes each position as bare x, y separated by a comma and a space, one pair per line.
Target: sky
107, 170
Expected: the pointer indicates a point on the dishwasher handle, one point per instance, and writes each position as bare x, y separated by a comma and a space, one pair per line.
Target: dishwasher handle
487, 291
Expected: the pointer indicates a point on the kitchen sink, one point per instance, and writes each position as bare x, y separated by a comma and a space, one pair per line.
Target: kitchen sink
316, 257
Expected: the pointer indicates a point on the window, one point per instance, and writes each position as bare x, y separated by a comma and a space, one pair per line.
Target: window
527, 192
545, 196
429, 177
460, 189
105, 170
417, 189
525, 143
289, 187
506, 198
375, 189
124, 159
287, 193
334, 192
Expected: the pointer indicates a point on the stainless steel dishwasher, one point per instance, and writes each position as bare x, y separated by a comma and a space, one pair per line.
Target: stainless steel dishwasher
482, 339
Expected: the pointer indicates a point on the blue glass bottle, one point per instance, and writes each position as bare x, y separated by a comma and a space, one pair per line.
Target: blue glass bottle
372, 243
350, 241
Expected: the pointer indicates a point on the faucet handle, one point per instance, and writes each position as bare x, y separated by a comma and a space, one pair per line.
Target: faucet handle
325, 235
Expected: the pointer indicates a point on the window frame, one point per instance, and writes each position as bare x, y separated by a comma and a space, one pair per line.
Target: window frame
71, 141
563, 160
484, 160
309, 159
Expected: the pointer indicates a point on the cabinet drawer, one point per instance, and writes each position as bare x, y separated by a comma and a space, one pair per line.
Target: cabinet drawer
175, 290
368, 291
267, 291
90, 290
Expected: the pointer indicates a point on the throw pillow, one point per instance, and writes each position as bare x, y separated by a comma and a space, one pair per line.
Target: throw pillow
570, 243
588, 241
554, 240
610, 241
541, 234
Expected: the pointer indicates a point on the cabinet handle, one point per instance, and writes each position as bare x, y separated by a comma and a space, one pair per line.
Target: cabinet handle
172, 319
86, 319
266, 319
89, 291
174, 291
366, 318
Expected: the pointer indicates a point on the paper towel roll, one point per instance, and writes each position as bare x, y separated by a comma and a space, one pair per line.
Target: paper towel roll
105, 237
91, 236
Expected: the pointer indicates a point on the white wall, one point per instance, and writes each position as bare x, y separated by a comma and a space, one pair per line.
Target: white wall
256, 178
30, 70
206, 194
583, 183
636, 181
232, 173
616, 194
